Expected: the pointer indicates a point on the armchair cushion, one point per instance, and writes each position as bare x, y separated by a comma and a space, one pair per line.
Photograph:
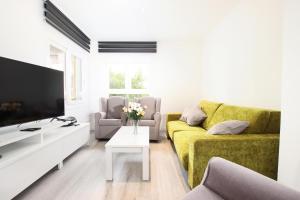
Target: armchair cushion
147, 122
110, 122
150, 102
114, 107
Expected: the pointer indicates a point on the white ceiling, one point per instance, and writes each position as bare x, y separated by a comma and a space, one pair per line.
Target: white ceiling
146, 19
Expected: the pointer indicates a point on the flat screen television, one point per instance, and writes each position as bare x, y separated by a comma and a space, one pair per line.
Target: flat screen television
29, 92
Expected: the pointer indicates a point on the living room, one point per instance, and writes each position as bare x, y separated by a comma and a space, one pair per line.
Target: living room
228, 60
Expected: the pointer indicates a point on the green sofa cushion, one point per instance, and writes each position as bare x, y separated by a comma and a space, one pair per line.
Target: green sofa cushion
274, 122
258, 118
181, 143
174, 126
209, 108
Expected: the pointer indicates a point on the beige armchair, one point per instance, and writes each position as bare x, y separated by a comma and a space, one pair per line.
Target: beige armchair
152, 117
110, 118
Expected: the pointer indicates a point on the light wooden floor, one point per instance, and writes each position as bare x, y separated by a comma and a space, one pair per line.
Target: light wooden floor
82, 177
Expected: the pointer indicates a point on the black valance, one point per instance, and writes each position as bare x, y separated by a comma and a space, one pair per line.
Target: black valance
62, 23
127, 46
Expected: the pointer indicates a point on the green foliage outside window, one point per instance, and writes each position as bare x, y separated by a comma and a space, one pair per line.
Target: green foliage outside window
116, 80
137, 81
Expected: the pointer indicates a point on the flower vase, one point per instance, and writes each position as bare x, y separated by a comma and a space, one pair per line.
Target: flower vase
135, 124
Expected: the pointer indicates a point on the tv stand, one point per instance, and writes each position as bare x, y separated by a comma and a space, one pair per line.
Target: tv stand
27, 156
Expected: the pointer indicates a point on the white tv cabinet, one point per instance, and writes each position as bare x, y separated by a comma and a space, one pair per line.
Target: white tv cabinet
27, 156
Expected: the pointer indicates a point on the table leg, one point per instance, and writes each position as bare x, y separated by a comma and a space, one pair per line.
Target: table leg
145, 163
108, 160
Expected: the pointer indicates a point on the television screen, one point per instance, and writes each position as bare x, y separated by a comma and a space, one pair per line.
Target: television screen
29, 92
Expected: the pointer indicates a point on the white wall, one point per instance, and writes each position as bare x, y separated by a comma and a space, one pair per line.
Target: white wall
241, 57
177, 25
173, 73
201, 44
25, 36
289, 160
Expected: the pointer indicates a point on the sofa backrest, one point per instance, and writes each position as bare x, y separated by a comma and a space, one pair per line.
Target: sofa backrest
153, 106
258, 118
209, 107
115, 105
274, 122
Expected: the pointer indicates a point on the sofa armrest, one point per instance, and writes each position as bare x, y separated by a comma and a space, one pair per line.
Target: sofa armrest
157, 117
172, 117
100, 115
258, 152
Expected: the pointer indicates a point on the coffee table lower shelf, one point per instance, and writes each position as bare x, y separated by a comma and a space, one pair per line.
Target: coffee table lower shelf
109, 159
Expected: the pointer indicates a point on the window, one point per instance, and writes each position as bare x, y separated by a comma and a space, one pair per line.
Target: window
76, 79
129, 82
58, 59
72, 66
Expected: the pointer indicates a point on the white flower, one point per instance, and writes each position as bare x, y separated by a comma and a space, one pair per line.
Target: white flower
135, 108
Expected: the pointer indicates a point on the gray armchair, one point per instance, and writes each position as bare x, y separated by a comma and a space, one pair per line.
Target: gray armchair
152, 117
226, 180
110, 118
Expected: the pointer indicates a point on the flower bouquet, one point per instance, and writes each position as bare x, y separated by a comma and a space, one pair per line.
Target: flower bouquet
135, 112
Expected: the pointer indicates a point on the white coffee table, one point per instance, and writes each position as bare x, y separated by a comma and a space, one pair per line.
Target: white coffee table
124, 141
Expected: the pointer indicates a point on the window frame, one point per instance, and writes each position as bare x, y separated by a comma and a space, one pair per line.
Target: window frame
80, 91
67, 70
128, 82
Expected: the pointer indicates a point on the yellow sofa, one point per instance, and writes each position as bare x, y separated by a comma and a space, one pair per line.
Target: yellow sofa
255, 148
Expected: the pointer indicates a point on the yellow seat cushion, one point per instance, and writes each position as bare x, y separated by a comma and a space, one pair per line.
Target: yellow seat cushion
181, 143
174, 126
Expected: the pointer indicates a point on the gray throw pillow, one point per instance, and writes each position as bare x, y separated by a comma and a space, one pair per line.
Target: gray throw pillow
184, 114
193, 116
229, 127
